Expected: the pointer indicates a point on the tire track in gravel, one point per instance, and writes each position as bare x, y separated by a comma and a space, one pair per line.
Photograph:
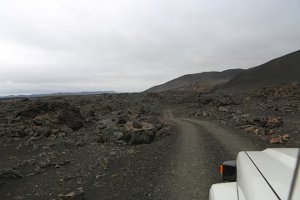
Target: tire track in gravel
197, 152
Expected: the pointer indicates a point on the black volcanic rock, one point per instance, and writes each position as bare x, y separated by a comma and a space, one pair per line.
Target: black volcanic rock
34, 109
52, 114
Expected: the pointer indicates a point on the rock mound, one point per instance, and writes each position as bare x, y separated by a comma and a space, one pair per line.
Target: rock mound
54, 114
145, 134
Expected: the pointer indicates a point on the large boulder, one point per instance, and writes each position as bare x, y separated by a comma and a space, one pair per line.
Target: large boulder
286, 137
275, 139
55, 114
42, 130
122, 119
67, 114
44, 120
136, 124
144, 135
274, 122
118, 136
34, 109
163, 132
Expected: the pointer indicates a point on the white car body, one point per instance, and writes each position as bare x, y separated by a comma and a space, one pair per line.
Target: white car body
261, 175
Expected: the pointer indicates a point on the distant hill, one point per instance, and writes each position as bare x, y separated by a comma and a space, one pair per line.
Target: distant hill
56, 94
200, 82
285, 69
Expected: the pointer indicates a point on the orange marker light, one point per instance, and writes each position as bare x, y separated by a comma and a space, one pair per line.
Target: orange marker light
221, 169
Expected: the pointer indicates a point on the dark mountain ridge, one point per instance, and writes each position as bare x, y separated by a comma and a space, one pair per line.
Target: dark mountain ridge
201, 82
285, 69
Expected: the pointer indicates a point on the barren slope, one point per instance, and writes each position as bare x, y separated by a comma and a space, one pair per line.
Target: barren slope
201, 82
285, 69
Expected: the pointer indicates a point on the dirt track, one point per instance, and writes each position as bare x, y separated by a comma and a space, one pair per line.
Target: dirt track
199, 148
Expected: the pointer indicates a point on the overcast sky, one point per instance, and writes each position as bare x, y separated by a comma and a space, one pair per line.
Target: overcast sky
130, 45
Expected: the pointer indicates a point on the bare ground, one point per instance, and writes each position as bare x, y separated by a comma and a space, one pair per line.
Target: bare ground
180, 166
181, 163
193, 164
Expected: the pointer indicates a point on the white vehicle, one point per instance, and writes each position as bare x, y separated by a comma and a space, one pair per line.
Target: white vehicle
260, 175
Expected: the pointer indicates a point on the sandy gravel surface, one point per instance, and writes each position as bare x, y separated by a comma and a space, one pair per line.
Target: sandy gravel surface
199, 148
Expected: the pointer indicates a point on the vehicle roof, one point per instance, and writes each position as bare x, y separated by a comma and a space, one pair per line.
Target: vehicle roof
277, 166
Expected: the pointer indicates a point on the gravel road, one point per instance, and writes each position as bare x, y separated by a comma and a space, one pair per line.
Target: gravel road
193, 164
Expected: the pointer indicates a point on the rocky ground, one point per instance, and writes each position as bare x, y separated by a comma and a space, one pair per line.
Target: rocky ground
271, 113
56, 148
102, 146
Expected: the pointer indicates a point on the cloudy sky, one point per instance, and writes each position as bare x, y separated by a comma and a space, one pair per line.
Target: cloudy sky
130, 45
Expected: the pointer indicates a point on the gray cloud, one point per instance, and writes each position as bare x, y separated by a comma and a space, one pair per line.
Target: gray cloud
69, 45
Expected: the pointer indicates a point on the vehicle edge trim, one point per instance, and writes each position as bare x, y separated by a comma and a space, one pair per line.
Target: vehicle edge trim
263, 176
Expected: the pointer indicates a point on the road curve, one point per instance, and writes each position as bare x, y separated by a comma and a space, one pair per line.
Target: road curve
193, 165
